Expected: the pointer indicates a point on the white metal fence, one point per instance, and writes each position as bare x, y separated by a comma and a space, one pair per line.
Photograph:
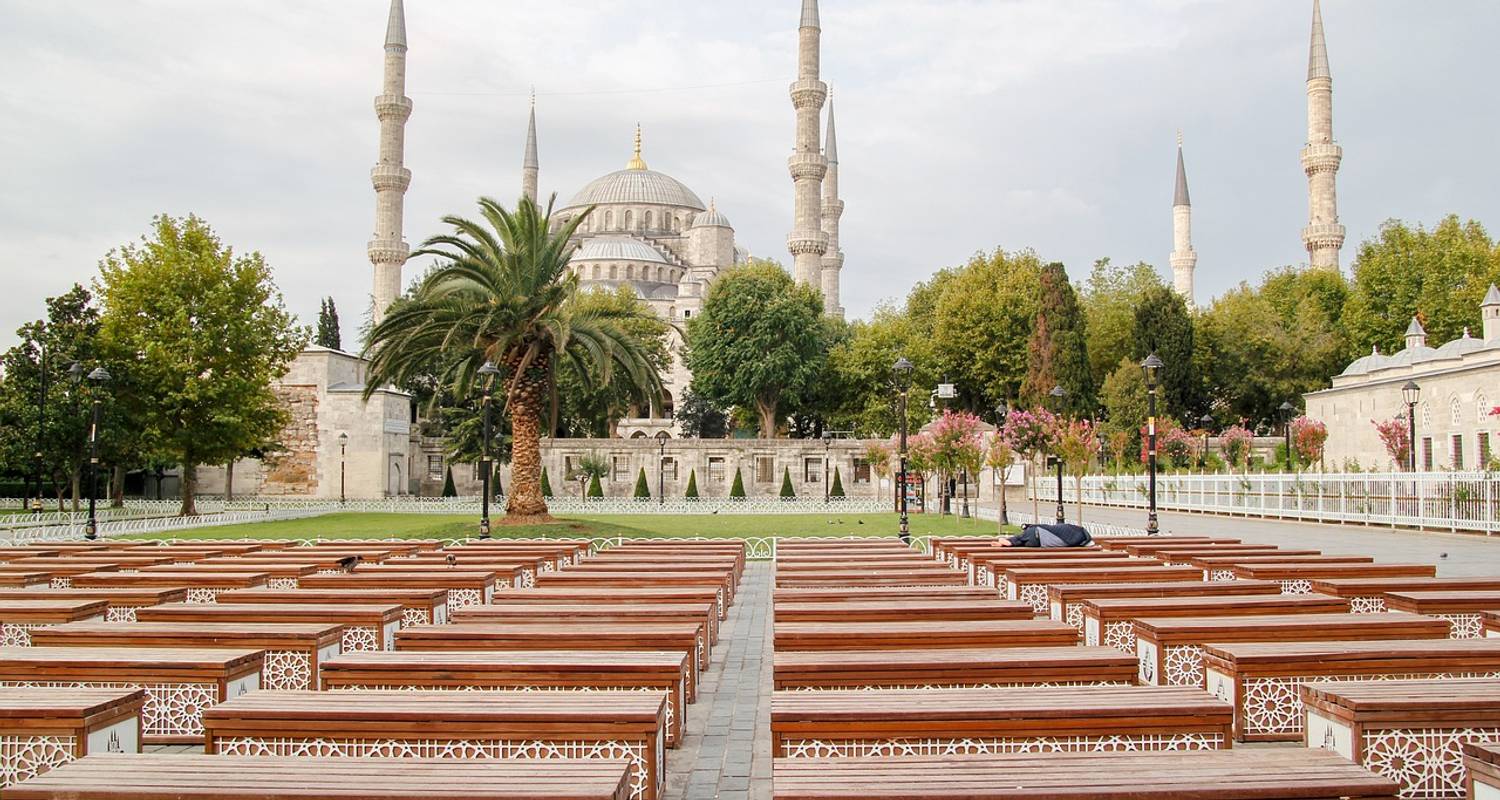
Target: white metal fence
1454, 501
140, 525
585, 506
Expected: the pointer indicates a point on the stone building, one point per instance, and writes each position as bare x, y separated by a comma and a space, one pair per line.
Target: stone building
1460, 385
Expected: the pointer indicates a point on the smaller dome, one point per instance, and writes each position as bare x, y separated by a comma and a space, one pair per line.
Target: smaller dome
1458, 347
1409, 356
617, 248
711, 218
1366, 364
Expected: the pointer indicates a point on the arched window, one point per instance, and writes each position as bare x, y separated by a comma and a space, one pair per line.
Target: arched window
596, 272
667, 406
1482, 408
675, 226
614, 272
648, 220
1455, 412
1426, 416
629, 220
609, 220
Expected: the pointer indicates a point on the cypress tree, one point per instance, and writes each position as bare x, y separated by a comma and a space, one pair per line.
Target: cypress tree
692, 490
1057, 350
838, 485
546, 484
737, 491
786, 483
595, 490
328, 326
1163, 326
449, 490
641, 488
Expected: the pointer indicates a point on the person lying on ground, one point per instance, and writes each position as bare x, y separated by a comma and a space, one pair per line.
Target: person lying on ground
1053, 535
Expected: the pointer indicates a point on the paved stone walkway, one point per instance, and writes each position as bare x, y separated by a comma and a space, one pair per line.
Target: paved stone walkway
726, 750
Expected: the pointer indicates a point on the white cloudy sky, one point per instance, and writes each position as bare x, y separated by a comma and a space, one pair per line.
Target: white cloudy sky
965, 124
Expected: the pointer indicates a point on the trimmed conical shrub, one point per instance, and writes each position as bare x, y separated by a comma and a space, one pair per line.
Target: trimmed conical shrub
786, 483
641, 488
838, 485
449, 490
546, 484
738, 489
595, 490
692, 490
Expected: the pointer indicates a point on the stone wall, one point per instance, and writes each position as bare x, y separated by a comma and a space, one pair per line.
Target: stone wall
294, 470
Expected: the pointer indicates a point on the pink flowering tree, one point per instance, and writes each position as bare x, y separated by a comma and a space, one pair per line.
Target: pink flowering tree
1395, 436
1309, 439
878, 456
957, 444
1235, 444
1077, 445
1174, 446
999, 457
1031, 435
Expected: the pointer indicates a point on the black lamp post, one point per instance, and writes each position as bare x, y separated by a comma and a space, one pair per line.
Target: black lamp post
1001, 412
1151, 366
661, 470
41, 419
902, 371
827, 443
1057, 394
1287, 410
98, 377
487, 373
1205, 422
1410, 393
343, 445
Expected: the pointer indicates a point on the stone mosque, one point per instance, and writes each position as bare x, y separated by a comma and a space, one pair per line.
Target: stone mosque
654, 234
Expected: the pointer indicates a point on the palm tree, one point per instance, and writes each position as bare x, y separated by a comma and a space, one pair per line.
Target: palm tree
504, 295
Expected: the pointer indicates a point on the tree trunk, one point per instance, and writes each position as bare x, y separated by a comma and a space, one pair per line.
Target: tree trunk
77, 481
525, 503
767, 412
1078, 487
117, 486
189, 489
1004, 518
229, 481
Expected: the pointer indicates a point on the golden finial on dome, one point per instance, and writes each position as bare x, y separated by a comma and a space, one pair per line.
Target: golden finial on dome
637, 162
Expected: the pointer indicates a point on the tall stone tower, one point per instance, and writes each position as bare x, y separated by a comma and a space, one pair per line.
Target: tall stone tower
530, 167
807, 242
388, 250
1184, 257
1324, 236
833, 209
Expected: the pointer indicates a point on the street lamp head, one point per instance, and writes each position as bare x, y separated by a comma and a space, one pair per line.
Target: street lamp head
343, 439
489, 370
902, 370
75, 372
1206, 422
1287, 408
99, 375
1058, 392
1411, 392
827, 436
1151, 366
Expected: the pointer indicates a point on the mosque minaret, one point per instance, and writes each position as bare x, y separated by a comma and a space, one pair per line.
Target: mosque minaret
530, 165
833, 209
388, 250
808, 243
1324, 236
1184, 258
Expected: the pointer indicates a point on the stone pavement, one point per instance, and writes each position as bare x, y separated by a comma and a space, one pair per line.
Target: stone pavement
726, 749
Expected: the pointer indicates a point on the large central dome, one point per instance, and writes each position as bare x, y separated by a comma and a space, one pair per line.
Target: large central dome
641, 186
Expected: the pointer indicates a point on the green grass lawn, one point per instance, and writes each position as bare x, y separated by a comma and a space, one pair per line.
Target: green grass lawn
422, 526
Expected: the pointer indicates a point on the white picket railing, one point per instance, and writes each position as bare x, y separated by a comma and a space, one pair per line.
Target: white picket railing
582, 506
1453, 501
142, 525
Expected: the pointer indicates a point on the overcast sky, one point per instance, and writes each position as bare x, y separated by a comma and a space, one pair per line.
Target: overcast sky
964, 125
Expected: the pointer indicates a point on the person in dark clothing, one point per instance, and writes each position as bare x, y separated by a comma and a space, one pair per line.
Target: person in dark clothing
1057, 535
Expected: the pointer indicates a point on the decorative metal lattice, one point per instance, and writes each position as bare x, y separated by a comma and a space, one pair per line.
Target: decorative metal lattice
955, 684
318, 747
895, 748
361, 639
1120, 634
203, 596
1465, 626
282, 583
1367, 605
415, 616
1036, 595
1183, 665
1074, 614
671, 706
23, 757
1274, 705
463, 598
1427, 762
1298, 586
17, 634
287, 671
120, 614
171, 709
1221, 575
61, 583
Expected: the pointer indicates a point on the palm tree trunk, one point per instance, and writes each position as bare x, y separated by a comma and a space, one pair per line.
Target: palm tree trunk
525, 502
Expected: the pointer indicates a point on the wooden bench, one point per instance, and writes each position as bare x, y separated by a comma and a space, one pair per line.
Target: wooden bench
1221, 774
418, 606
722, 574
918, 722
984, 568
464, 588
510, 575
1297, 578
25, 580
120, 604
540, 670
1465, 609
1110, 621
179, 683
500, 564
551, 595
947, 669
681, 637
1170, 649
495, 725
1263, 679
202, 777
573, 578
60, 577
1221, 567
1121, 542
905, 610
293, 652
42, 729
283, 575
19, 618
1065, 600
938, 634
1367, 595
1411, 732
1482, 761
854, 576
701, 612
1029, 585
892, 594
572, 551
202, 587
365, 627
1178, 552
1491, 622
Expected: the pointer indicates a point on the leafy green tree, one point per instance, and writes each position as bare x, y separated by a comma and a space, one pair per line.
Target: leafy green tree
591, 468
1057, 351
642, 489
1438, 275
838, 485
701, 419
860, 364
737, 491
1163, 326
759, 343
588, 403
1124, 401
786, 483
983, 318
206, 333
546, 484
328, 334
1109, 299
449, 490
504, 295
692, 487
